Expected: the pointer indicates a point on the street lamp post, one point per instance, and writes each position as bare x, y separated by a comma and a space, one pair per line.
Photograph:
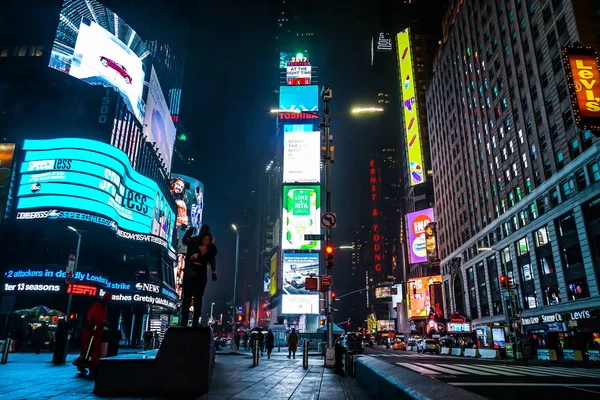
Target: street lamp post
71, 292
237, 260
211, 312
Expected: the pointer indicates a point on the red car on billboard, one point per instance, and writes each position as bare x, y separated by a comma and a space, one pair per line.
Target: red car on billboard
108, 63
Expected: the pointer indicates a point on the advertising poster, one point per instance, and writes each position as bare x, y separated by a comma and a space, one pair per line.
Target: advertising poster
302, 98
286, 57
417, 223
7, 151
158, 125
301, 157
298, 128
583, 74
410, 109
296, 268
100, 51
273, 275
189, 197
266, 282
301, 215
420, 296
300, 304
431, 242
81, 179
298, 74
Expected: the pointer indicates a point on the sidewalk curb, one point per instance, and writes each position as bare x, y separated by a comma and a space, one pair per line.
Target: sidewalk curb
384, 380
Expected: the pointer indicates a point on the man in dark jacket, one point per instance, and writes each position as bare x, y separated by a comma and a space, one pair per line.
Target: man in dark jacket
270, 343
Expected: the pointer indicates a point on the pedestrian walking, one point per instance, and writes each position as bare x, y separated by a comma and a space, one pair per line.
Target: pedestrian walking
238, 339
39, 337
261, 343
201, 252
292, 343
269, 343
91, 338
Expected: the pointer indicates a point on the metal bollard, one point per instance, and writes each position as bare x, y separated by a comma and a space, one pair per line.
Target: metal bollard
305, 354
256, 353
5, 350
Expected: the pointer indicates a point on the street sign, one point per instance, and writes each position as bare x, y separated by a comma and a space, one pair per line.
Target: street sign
328, 220
230, 303
325, 282
314, 237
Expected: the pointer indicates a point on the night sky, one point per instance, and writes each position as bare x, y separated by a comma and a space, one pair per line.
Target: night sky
231, 72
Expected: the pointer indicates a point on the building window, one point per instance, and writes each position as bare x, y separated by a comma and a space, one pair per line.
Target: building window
565, 189
22, 52
533, 211
594, 171
546, 13
541, 205
548, 169
524, 158
578, 289
591, 212
554, 198
587, 140
575, 150
4, 53
568, 118
560, 161
580, 180
533, 152
522, 247
497, 308
528, 185
561, 25
562, 91
483, 290
472, 293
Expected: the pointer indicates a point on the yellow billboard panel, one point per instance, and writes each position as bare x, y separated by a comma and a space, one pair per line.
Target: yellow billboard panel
420, 296
273, 273
410, 110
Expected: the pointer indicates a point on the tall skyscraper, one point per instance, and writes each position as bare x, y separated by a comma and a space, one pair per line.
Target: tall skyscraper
516, 182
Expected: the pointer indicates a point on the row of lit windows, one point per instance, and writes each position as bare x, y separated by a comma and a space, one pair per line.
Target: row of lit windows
23, 51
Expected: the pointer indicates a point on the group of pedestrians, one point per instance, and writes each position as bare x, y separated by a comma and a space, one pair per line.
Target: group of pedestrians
267, 342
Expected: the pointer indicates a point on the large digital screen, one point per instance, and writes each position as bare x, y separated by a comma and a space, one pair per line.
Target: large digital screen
298, 128
93, 44
83, 179
420, 296
158, 125
410, 109
298, 74
303, 98
273, 275
296, 268
301, 215
189, 197
301, 157
7, 151
417, 236
583, 74
286, 57
300, 304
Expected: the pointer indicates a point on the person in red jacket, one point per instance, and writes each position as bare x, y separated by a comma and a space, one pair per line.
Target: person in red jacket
92, 331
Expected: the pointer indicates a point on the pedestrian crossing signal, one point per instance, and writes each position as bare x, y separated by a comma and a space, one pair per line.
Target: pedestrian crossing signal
322, 322
503, 281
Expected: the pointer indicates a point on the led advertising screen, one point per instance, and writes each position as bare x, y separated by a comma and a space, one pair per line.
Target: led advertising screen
301, 157
581, 67
286, 57
189, 197
301, 215
419, 295
300, 304
81, 179
296, 268
273, 275
93, 44
298, 74
303, 98
7, 151
417, 238
298, 128
158, 125
410, 109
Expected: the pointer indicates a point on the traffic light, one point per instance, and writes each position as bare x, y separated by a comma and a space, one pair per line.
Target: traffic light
503, 281
240, 318
322, 322
329, 257
332, 297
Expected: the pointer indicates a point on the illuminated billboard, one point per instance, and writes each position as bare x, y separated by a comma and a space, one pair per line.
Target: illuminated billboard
298, 128
301, 157
93, 44
296, 268
417, 238
303, 98
287, 57
189, 197
410, 109
581, 68
7, 151
301, 215
300, 304
298, 74
273, 275
158, 125
81, 179
420, 296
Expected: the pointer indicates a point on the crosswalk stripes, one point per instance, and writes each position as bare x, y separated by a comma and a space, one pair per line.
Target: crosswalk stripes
500, 369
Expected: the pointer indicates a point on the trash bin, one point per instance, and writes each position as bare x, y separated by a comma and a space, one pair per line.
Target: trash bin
349, 363
60, 343
114, 338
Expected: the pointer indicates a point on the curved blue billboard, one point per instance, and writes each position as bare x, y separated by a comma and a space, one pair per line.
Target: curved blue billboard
92, 181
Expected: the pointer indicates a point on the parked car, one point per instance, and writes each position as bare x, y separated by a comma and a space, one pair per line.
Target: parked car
120, 68
431, 346
353, 342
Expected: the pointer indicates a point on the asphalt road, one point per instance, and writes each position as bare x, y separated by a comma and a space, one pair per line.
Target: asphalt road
497, 379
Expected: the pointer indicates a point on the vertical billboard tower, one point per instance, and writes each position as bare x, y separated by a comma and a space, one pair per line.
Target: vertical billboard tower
301, 208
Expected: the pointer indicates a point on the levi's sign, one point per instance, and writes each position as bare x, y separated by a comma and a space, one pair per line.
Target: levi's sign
583, 76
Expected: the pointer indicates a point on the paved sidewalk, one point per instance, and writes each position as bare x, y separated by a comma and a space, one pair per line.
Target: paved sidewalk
31, 376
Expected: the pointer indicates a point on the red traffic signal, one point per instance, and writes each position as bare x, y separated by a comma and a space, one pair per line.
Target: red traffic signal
322, 322
329, 249
503, 281
332, 296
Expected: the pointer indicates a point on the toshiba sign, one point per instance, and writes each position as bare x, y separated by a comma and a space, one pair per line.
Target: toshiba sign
296, 116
